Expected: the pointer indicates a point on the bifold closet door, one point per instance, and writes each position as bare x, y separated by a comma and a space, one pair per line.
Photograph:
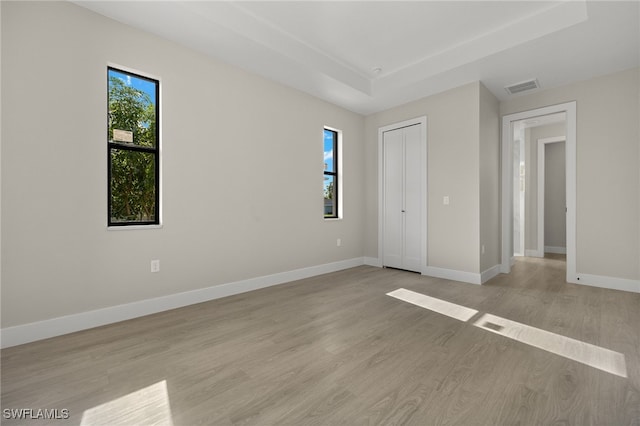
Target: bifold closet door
402, 198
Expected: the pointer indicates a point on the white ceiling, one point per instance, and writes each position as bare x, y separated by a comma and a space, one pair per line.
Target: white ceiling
331, 48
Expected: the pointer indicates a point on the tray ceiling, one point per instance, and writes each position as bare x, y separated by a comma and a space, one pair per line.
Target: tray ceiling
368, 56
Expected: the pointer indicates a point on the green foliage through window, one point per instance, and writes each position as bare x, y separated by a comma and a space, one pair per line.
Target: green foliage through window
330, 173
133, 149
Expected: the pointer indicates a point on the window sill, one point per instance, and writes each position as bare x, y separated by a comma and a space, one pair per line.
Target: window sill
133, 227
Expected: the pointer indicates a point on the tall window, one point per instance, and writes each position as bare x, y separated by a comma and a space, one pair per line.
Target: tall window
133, 149
331, 184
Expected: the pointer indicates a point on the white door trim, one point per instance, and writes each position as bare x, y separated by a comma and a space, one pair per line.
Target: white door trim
422, 121
507, 183
521, 203
541, 146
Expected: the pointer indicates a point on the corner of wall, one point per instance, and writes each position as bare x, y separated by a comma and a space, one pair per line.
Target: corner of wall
489, 179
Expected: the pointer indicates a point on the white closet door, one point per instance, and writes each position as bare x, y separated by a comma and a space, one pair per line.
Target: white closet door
393, 197
412, 199
402, 198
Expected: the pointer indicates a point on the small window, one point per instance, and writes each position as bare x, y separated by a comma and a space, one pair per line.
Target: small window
331, 177
133, 149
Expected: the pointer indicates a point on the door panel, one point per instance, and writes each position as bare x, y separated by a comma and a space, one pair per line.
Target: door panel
412, 196
402, 226
393, 194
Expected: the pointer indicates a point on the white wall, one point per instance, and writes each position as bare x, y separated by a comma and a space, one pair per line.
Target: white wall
242, 170
608, 165
461, 123
0, 153
452, 138
490, 236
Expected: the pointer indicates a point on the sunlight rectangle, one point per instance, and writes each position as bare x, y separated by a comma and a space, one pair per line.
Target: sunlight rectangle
148, 406
594, 356
585, 353
449, 309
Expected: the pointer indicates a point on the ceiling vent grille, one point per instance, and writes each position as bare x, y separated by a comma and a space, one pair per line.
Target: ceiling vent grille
522, 86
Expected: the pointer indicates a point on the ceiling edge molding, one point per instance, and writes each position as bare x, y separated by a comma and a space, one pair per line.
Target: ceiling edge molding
234, 17
547, 21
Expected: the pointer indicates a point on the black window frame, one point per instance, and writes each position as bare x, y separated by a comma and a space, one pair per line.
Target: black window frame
333, 174
155, 151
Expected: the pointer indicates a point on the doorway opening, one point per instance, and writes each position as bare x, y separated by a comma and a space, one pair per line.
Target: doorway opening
530, 137
525, 137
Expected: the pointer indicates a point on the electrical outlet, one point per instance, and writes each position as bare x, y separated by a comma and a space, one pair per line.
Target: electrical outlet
339, 242
483, 249
445, 200
155, 265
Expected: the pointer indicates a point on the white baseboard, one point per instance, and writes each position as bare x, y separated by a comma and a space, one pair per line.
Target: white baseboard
506, 269
552, 249
20, 334
452, 274
533, 253
489, 273
613, 283
373, 261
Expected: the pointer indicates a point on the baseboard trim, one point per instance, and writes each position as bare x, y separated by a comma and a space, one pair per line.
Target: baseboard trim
489, 273
373, 261
507, 269
552, 249
609, 282
452, 274
20, 334
533, 253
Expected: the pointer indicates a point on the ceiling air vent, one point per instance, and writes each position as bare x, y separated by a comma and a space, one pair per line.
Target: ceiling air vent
522, 86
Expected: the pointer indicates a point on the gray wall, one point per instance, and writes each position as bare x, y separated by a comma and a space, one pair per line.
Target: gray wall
608, 169
242, 170
532, 135
555, 200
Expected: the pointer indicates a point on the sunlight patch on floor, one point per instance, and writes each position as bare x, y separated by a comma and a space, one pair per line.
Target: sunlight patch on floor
585, 353
582, 352
437, 305
148, 406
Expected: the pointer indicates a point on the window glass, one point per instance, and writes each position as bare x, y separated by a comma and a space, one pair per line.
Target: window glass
331, 182
133, 142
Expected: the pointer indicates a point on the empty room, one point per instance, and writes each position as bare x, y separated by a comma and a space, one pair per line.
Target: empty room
320, 213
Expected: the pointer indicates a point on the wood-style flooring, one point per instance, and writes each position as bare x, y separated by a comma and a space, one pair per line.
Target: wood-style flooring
335, 349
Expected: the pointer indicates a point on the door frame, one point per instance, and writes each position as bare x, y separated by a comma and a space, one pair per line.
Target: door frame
507, 183
521, 203
542, 143
422, 121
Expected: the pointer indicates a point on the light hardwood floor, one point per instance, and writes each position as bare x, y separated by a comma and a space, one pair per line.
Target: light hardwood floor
335, 349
